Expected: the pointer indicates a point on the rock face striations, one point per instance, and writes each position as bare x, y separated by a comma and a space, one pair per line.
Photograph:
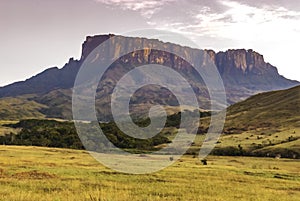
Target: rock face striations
244, 72
248, 68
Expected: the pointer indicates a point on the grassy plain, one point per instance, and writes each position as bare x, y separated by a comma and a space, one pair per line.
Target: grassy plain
36, 173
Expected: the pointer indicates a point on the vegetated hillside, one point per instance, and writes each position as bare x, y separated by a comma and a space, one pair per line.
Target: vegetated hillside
15, 108
56, 104
267, 124
270, 110
244, 72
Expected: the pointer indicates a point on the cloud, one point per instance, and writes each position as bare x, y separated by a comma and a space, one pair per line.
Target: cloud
233, 21
146, 8
244, 21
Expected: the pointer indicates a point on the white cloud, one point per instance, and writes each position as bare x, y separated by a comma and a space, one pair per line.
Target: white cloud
270, 30
238, 21
146, 8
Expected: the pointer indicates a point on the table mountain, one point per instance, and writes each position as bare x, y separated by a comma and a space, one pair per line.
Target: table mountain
244, 73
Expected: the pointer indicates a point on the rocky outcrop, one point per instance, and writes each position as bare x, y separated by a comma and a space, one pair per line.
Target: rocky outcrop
248, 69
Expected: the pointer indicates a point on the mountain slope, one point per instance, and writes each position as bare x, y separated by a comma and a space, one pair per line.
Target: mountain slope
267, 124
44, 82
20, 108
274, 109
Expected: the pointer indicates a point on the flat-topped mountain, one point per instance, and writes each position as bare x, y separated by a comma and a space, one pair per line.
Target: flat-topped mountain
244, 73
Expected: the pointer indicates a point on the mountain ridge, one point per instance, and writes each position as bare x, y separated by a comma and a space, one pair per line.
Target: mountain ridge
231, 65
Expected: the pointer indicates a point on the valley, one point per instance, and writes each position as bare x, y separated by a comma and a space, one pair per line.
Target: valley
256, 157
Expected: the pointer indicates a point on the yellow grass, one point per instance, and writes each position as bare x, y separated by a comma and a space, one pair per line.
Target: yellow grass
34, 173
249, 139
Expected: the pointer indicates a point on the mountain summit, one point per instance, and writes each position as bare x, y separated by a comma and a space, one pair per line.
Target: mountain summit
244, 73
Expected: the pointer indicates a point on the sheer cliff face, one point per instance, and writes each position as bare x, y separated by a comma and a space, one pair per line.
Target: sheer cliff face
241, 60
245, 68
248, 69
244, 72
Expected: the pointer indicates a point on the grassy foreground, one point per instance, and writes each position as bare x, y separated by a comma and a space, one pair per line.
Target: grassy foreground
35, 173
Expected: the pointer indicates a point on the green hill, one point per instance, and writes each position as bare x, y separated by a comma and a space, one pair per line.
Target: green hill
56, 104
15, 108
267, 124
275, 110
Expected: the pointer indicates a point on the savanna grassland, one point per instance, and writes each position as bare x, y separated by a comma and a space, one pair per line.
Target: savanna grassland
266, 124
37, 173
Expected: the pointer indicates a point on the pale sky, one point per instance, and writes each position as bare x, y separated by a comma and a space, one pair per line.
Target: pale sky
38, 34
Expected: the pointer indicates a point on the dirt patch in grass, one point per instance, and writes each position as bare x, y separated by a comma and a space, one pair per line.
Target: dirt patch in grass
1, 173
111, 173
50, 164
235, 161
34, 175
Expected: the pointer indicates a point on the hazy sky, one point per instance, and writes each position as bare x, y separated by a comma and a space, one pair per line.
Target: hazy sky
38, 34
